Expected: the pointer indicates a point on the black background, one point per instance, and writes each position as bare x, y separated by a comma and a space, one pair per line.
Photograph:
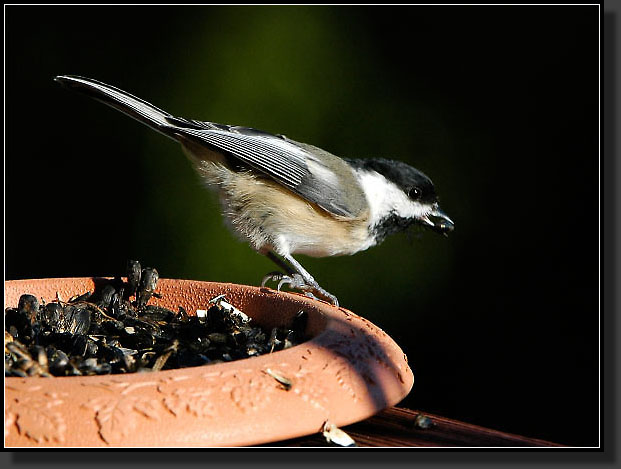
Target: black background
498, 105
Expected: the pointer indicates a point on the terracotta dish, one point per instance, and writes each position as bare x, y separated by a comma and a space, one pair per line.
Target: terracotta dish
349, 370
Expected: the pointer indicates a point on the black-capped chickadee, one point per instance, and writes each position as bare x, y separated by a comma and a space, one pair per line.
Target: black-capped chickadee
285, 197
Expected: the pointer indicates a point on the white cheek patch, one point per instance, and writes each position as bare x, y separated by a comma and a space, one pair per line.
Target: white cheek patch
386, 198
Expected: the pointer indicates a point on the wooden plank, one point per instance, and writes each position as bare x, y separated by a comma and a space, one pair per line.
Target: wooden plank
399, 427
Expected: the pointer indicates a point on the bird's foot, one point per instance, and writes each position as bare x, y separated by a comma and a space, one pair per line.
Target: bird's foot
296, 281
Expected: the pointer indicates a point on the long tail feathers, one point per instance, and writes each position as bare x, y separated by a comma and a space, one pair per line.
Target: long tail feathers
134, 107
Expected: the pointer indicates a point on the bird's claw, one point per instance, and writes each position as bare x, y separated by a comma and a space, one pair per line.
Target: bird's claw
296, 281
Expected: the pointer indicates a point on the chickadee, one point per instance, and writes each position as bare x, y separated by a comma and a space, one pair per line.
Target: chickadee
285, 197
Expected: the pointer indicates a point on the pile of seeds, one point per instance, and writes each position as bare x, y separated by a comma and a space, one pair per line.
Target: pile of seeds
114, 330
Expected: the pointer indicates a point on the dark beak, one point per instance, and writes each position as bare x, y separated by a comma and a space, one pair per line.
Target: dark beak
438, 221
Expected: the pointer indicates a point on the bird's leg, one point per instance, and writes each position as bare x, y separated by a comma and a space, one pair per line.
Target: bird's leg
279, 262
296, 277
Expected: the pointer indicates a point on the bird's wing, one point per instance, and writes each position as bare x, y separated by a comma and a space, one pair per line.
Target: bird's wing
270, 155
293, 165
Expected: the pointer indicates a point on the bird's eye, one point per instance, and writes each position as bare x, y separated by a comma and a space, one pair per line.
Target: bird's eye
414, 193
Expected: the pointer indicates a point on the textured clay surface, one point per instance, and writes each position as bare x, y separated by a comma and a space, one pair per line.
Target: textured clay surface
349, 370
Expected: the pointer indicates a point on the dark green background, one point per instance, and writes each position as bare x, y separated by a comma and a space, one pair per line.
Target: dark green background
498, 105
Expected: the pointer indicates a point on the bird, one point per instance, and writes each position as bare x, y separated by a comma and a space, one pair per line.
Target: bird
284, 197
